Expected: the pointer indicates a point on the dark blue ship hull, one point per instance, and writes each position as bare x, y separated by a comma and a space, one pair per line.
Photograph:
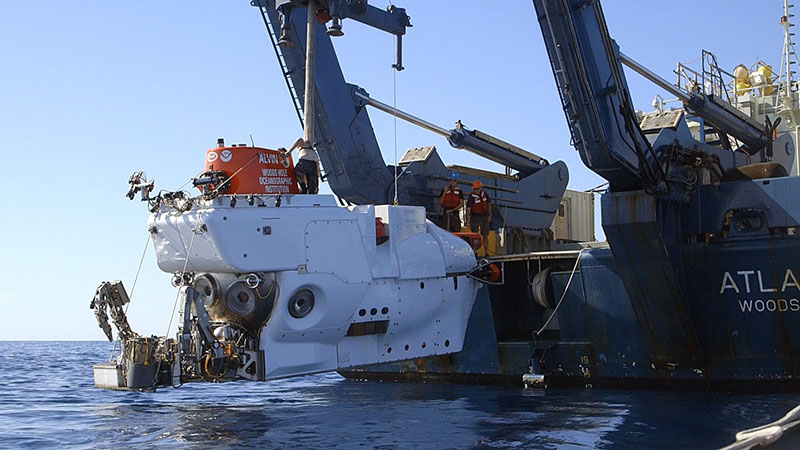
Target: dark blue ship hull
745, 336
695, 309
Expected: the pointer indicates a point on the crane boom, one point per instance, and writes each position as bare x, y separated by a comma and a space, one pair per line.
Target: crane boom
349, 150
587, 65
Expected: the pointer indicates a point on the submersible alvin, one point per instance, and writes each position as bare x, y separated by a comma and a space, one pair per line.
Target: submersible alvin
280, 284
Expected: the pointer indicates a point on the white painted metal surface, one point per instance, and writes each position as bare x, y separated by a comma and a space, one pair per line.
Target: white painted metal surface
410, 293
108, 376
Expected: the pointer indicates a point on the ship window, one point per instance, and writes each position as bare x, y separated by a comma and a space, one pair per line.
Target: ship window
561, 210
748, 221
752, 223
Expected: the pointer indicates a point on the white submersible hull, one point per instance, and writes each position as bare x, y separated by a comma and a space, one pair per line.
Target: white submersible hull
280, 286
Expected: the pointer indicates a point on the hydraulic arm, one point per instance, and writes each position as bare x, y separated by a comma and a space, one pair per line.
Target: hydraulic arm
347, 146
479, 143
718, 114
587, 65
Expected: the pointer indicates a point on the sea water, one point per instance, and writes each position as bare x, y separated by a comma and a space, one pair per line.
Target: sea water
47, 400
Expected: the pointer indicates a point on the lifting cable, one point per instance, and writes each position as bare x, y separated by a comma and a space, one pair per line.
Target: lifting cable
394, 114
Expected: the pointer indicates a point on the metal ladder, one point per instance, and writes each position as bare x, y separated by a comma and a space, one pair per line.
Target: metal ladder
789, 56
273, 37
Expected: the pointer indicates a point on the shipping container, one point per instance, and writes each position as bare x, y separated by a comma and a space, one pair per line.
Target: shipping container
574, 220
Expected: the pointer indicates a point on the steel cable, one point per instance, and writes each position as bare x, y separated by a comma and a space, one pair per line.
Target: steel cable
563, 295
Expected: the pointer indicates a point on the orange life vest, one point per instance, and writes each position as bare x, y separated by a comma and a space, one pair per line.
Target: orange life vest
452, 197
479, 204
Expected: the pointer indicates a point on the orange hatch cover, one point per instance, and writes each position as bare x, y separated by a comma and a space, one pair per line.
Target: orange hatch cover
260, 170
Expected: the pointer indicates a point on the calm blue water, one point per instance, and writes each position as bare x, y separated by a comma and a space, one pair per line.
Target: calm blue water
47, 399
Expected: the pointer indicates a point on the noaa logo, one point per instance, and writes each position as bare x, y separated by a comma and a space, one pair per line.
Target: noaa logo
212, 156
226, 155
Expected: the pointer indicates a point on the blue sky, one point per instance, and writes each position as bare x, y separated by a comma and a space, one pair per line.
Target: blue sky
91, 91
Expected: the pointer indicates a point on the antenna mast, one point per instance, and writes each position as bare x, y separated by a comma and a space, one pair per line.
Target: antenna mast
788, 49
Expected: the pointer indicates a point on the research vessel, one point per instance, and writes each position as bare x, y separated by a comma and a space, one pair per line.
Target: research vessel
695, 287
697, 284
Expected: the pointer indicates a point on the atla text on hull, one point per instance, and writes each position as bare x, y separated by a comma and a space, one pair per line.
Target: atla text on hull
697, 286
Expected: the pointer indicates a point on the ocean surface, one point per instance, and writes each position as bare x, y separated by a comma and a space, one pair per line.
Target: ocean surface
47, 400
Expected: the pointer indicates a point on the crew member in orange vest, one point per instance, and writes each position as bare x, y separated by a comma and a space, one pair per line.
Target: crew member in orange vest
479, 212
452, 199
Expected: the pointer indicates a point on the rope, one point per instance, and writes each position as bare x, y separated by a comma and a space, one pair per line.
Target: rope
216, 189
138, 271
188, 181
766, 434
564, 294
692, 61
130, 297
185, 265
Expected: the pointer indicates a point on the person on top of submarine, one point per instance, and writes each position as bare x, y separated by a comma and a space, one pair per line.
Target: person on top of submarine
307, 167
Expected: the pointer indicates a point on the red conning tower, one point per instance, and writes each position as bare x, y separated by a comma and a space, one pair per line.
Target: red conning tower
253, 170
